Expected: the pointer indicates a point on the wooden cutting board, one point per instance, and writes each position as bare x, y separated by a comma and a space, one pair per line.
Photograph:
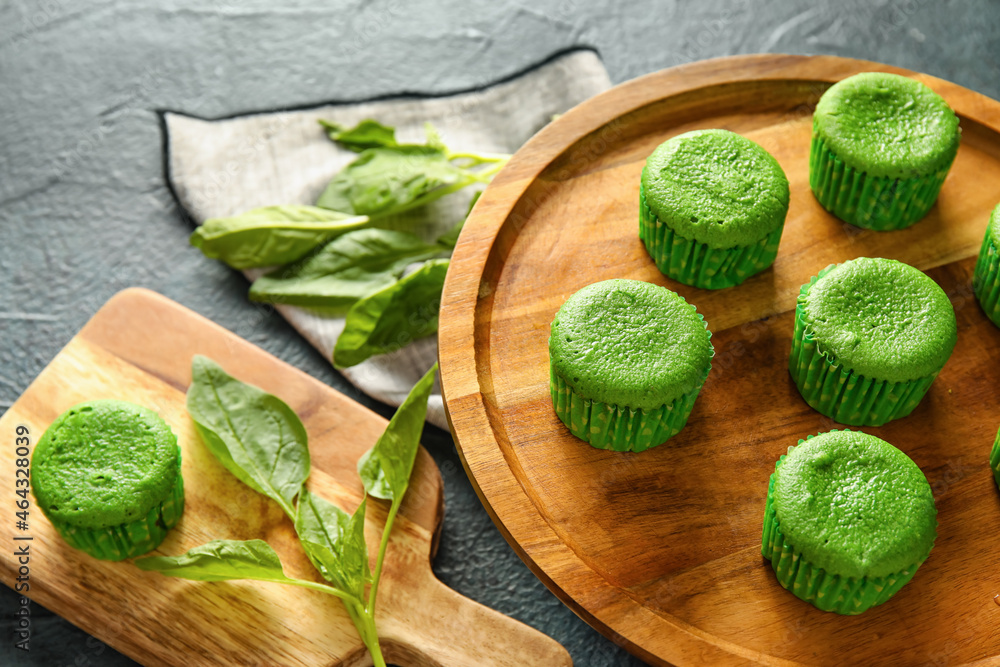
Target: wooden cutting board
661, 550
138, 347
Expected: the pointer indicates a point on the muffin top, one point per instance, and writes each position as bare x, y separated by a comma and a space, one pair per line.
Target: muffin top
716, 187
854, 505
104, 463
880, 318
630, 343
887, 125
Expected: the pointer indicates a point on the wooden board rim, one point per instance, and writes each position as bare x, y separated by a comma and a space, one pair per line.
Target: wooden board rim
467, 394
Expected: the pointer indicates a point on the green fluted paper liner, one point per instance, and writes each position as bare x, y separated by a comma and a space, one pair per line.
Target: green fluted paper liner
696, 264
829, 592
871, 202
986, 279
129, 539
995, 459
623, 429
841, 394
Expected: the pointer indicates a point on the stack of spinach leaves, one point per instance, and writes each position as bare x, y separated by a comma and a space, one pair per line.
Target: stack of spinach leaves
261, 441
338, 258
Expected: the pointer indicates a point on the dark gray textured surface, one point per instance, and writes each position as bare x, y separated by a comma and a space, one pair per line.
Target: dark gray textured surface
84, 210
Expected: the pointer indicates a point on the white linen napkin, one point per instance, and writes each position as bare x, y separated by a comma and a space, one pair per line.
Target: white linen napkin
224, 167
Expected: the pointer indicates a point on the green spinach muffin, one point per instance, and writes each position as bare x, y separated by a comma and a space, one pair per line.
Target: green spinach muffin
627, 360
712, 206
870, 336
107, 474
882, 145
848, 520
986, 280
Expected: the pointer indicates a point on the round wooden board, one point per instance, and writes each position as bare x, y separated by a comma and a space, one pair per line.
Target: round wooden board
660, 551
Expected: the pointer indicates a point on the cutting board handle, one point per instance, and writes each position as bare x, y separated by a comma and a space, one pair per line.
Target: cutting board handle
445, 629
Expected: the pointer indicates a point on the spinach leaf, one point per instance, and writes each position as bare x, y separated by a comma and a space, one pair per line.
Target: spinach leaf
346, 269
334, 542
393, 317
260, 440
366, 134
271, 235
385, 468
255, 435
226, 560
386, 180
220, 560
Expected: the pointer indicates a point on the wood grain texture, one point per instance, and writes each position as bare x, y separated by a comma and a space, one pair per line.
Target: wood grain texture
661, 550
138, 348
